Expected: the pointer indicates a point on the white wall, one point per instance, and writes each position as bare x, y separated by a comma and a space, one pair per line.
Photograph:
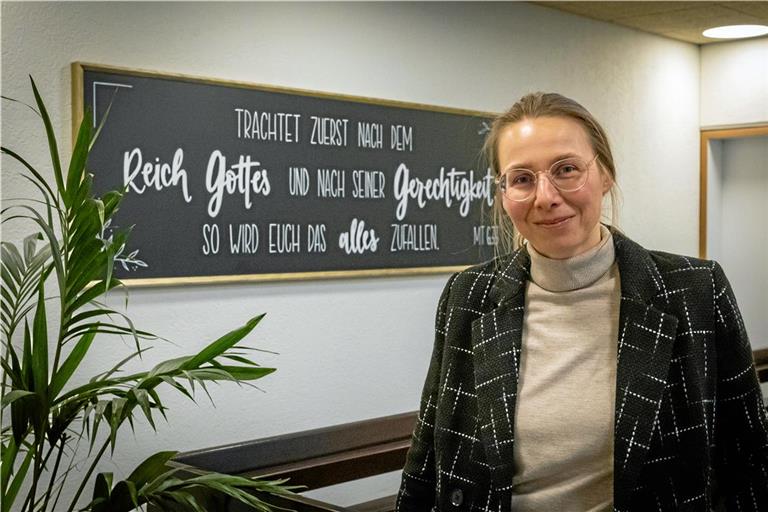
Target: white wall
356, 349
734, 82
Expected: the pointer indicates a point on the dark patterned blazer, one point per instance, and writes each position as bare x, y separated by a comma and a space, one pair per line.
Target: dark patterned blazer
691, 432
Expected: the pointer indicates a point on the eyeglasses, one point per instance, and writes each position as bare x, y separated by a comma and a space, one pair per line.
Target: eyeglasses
567, 175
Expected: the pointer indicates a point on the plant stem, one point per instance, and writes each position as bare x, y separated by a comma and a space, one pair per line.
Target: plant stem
48, 491
30, 499
88, 475
37, 472
66, 473
63, 320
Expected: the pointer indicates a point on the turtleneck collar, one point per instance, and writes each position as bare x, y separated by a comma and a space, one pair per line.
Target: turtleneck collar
576, 272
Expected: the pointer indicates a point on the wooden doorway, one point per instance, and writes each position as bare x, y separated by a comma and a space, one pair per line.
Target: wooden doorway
707, 137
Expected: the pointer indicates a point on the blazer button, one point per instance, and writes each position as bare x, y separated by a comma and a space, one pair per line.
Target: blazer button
457, 497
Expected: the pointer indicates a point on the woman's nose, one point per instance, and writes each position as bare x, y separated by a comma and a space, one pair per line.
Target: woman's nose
546, 193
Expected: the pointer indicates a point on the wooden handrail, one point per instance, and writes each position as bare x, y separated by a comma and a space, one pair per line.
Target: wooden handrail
313, 458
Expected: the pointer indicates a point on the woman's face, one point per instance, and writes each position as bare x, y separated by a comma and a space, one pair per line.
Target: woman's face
558, 224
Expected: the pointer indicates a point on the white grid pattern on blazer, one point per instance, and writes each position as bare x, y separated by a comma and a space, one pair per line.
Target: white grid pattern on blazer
691, 431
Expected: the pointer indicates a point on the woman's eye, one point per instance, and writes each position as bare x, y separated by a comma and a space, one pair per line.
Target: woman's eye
520, 179
566, 170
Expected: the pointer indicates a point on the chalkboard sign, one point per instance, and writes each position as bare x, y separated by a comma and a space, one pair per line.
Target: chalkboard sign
231, 181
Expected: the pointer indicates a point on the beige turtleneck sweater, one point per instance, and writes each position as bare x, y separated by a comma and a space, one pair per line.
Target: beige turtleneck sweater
564, 417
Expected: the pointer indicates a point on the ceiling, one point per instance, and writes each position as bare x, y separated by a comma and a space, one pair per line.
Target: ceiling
683, 21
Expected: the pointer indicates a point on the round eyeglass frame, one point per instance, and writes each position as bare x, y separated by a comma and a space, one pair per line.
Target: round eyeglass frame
548, 173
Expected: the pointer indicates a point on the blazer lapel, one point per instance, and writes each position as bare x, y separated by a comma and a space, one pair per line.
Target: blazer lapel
496, 341
646, 337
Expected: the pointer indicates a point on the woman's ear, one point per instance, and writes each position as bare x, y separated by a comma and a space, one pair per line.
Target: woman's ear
606, 180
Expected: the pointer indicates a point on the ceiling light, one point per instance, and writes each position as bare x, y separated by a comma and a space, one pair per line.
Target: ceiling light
735, 31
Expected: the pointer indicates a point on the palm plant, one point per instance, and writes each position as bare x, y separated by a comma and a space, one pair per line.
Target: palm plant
45, 338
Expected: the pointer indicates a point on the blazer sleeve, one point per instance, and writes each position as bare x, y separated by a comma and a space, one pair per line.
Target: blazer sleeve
418, 487
741, 425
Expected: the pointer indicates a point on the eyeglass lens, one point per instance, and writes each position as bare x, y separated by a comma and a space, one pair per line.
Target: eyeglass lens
566, 175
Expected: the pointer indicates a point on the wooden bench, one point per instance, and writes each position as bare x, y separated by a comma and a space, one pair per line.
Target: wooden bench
313, 458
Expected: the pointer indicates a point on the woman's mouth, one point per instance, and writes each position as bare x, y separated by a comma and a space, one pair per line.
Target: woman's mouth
554, 223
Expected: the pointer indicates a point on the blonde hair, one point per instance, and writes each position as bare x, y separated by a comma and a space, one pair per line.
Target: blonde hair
540, 104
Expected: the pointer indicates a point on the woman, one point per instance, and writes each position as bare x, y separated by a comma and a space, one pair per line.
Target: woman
583, 372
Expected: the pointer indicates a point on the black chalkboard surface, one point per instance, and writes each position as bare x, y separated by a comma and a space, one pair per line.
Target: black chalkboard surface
231, 181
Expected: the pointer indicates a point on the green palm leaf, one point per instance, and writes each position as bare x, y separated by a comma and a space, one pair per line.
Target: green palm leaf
218, 347
71, 243
49, 194
71, 363
52, 145
40, 348
9, 493
79, 157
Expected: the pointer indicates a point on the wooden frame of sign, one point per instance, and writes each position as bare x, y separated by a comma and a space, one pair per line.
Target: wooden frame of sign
707, 135
305, 184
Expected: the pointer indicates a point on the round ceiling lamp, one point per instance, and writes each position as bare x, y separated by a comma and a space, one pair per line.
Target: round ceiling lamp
736, 31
